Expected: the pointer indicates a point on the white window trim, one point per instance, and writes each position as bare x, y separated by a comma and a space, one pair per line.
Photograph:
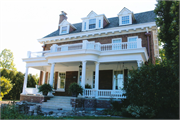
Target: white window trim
114, 87
130, 19
66, 31
97, 23
116, 39
132, 37
58, 89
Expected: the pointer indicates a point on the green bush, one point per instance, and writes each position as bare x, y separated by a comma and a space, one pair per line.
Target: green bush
45, 88
6, 86
75, 89
155, 86
140, 111
87, 86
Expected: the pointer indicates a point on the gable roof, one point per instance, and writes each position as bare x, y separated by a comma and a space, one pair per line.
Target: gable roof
143, 17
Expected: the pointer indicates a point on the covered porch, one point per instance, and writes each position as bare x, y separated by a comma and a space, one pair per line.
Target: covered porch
106, 79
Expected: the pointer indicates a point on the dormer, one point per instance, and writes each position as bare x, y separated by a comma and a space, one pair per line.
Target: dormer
125, 17
94, 21
64, 26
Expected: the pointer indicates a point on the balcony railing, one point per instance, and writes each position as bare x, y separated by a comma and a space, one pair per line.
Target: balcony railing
88, 45
104, 93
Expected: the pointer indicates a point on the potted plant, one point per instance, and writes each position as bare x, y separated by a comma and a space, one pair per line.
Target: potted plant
75, 89
87, 86
45, 88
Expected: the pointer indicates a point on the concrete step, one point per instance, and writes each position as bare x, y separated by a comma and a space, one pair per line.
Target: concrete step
63, 108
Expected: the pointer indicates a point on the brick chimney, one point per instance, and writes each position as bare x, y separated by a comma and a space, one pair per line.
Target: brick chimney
62, 16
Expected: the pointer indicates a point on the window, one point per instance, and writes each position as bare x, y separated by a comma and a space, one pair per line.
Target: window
118, 80
92, 23
116, 44
85, 26
64, 30
133, 42
61, 81
99, 23
125, 20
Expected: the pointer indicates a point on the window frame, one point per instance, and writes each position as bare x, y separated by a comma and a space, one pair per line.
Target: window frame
128, 47
67, 30
61, 89
116, 47
125, 20
130, 19
92, 24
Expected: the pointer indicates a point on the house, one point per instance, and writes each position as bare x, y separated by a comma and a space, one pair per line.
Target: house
99, 51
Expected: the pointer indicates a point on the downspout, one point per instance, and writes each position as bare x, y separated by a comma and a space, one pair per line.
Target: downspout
148, 34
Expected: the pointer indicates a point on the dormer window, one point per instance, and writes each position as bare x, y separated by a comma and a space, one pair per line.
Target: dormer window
125, 17
125, 20
92, 23
64, 30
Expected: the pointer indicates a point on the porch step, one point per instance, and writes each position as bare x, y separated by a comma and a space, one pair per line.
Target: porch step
58, 102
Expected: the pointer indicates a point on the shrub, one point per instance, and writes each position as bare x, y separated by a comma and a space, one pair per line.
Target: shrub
6, 86
45, 88
75, 89
155, 86
87, 86
140, 111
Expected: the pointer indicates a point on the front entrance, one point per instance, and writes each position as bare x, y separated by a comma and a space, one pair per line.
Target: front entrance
64, 82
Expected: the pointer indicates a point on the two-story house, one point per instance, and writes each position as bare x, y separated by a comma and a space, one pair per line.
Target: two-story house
99, 51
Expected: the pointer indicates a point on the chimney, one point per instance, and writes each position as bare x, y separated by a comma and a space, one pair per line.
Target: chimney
62, 16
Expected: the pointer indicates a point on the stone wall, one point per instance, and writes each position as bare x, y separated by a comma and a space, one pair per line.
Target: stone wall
32, 98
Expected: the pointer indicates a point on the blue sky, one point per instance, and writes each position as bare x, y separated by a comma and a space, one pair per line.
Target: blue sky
22, 22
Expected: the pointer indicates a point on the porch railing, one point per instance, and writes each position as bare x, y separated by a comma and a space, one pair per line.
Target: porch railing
88, 45
104, 93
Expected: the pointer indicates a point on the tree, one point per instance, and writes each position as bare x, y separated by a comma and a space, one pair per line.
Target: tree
168, 21
6, 86
155, 86
7, 60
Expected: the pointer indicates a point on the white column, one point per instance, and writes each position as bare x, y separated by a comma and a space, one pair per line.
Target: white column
96, 78
51, 77
44, 76
139, 63
83, 74
25, 81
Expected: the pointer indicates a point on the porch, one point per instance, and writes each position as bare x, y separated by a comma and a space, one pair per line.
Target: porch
60, 66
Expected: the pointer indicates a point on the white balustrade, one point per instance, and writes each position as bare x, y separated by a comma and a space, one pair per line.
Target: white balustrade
104, 93
88, 45
32, 91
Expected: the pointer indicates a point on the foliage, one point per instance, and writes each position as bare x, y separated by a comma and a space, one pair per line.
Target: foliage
75, 89
141, 111
168, 21
32, 80
6, 86
155, 86
7, 60
45, 88
17, 79
87, 86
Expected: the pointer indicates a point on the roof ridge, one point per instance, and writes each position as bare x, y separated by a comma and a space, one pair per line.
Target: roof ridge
144, 12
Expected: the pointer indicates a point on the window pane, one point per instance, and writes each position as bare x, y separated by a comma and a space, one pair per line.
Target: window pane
64, 29
92, 21
85, 26
92, 26
99, 23
125, 19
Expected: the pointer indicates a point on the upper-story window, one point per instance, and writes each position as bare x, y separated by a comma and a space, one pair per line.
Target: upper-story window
92, 23
125, 17
133, 41
125, 20
64, 30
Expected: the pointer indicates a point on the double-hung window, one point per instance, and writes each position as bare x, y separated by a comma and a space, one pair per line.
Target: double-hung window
132, 42
125, 20
92, 23
64, 30
116, 44
118, 80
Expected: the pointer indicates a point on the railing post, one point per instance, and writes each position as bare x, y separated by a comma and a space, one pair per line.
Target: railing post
54, 48
85, 44
139, 43
29, 54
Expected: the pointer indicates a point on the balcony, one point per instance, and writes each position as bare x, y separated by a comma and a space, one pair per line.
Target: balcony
88, 45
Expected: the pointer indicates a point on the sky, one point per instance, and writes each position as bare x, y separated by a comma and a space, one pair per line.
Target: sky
22, 22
